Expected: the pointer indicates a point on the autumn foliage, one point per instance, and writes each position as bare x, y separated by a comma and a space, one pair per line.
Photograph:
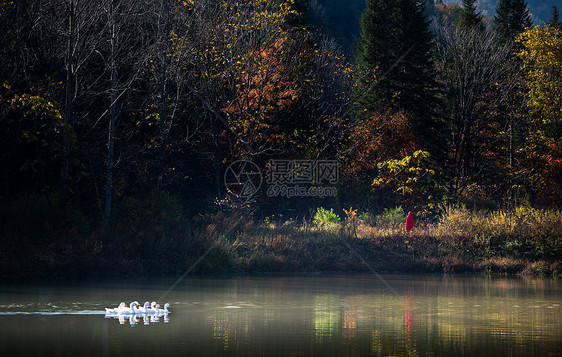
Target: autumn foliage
541, 56
378, 138
264, 93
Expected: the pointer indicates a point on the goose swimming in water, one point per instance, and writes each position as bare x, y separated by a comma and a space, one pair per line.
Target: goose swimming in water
164, 310
144, 310
130, 310
135, 309
153, 308
116, 310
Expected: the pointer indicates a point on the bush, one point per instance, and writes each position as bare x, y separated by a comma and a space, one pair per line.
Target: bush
391, 218
365, 217
325, 218
523, 232
459, 220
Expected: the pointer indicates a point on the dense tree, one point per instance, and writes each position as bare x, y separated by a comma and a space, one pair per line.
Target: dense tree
116, 101
395, 51
468, 17
541, 54
512, 17
377, 51
479, 76
555, 18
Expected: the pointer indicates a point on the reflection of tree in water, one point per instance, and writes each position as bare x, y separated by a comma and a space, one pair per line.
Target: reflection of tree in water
227, 328
327, 317
444, 318
349, 325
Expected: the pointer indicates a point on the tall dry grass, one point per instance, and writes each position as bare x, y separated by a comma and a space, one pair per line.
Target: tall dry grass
522, 233
525, 240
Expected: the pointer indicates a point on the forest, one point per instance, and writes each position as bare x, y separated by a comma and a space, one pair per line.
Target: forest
341, 20
121, 120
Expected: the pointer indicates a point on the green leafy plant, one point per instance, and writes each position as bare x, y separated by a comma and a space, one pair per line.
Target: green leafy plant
324, 217
365, 217
391, 217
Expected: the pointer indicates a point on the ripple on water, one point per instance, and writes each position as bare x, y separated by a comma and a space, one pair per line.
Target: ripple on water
52, 313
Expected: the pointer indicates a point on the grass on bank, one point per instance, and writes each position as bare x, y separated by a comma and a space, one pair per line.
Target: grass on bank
159, 240
526, 241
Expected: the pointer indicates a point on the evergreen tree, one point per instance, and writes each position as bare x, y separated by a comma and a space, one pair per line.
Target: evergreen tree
512, 17
418, 94
396, 43
379, 36
555, 19
469, 18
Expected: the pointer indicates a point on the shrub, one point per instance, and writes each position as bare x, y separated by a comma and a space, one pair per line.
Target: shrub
458, 219
523, 232
325, 218
391, 218
365, 217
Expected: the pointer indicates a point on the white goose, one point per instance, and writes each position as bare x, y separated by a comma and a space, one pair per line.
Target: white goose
165, 310
130, 310
136, 308
153, 308
116, 310
144, 310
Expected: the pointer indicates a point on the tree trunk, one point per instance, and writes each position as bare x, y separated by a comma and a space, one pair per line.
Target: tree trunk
68, 102
163, 30
112, 120
161, 122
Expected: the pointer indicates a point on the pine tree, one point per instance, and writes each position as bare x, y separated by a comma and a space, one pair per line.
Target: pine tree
397, 44
417, 77
469, 18
377, 51
512, 17
555, 19
501, 20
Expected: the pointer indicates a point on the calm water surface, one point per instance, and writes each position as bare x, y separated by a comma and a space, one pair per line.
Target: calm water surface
322, 315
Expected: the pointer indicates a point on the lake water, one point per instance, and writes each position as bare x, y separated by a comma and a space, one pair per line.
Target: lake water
319, 315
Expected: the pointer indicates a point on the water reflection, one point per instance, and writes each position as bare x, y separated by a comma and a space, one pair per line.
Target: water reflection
441, 316
313, 315
135, 319
327, 317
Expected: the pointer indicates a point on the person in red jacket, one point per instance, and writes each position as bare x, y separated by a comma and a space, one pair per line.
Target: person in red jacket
409, 222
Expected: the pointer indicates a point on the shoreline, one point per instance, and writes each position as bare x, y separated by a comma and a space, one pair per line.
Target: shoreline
312, 253
525, 242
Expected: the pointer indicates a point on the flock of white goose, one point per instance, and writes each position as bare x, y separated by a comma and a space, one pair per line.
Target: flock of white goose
135, 309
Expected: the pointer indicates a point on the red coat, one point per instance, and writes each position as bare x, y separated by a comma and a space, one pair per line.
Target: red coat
409, 222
